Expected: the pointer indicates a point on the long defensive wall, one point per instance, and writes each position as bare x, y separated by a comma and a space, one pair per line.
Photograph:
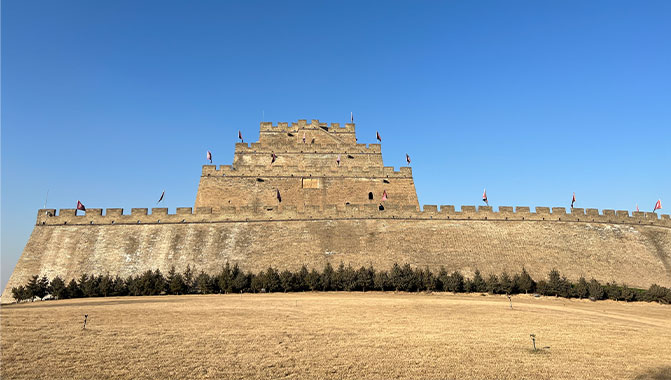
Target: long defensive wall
331, 211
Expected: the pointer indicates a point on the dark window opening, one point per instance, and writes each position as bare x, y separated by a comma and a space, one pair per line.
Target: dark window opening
370, 195
385, 181
381, 208
350, 156
346, 203
259, 180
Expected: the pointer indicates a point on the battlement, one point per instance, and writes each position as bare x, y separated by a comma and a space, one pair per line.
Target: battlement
300, 148
303, 124
296, 171
94, 216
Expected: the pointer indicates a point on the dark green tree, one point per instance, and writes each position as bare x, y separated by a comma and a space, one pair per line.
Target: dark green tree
327, 278
73, 289
204, 283
455, 282
595, 290
313, 280
493, 285
287, 281
581, 288
479, 284
525, 283
58, 288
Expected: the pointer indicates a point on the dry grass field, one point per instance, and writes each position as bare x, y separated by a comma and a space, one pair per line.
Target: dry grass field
335, 336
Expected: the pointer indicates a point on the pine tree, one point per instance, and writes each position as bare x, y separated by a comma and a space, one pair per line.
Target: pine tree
381, 281
169, 279
507, 286
58, 289
225, 279
204, 283
43, 287
313, 280
455, 282
301, 279
19, 293
241, 281
287, 281
176, 284
188, 280
73, 289
525, 283
580, 289
595, 290
479, 284
493, 286
32, 288
442, 279
272, 280
327, 278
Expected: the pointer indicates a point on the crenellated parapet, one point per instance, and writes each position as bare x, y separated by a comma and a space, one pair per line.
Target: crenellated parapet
284, 127
95, 216
307, 148
302, 171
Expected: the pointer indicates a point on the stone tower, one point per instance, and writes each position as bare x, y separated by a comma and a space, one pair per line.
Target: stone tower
315, 165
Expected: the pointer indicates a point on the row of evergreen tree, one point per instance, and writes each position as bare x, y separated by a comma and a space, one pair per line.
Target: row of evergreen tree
344, 278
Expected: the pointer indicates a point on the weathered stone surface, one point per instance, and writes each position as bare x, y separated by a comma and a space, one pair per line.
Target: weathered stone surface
326, 215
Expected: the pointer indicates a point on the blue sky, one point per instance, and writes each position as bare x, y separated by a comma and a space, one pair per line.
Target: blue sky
112, 102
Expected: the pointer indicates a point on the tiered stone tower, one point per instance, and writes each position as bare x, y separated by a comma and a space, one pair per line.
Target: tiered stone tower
315, 165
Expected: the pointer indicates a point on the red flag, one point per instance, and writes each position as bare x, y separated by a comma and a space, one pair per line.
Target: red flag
338, 160
303, 137
209, 156
658, 205
279, 197
636, 207
240, 136
80, 206
384, 195
407, 159
377, 136
161, 198
573, 201
484, 197
273, 158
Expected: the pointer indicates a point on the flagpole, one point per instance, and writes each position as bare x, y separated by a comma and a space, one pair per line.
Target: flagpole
45, 199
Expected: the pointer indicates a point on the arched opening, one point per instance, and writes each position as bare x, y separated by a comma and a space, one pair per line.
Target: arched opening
370, 195
381, 208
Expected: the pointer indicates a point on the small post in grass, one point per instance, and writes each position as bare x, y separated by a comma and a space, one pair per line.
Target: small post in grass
86, 316
533, 340
511, 300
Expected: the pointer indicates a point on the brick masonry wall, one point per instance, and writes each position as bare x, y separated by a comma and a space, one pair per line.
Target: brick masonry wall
636, 254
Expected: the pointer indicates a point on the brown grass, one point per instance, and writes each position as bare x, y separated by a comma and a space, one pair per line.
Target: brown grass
335, 335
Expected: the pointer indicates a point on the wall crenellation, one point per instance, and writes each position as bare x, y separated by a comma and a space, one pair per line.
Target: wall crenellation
303, 124
359, 211
298, 171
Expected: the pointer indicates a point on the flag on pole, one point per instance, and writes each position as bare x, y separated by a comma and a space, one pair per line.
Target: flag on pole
279, 197
303, 137
484, 197
384, 195
351, 117
658, 205
573, 200
377, 136
407, 159
273, 158
240, 136
338, 160
80, 206
161, 198
209, 156
636, 207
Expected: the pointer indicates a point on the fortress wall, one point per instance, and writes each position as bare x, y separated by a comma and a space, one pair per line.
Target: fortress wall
299, 191
633, 253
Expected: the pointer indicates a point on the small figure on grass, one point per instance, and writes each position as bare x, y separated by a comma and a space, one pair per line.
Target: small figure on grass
86, 316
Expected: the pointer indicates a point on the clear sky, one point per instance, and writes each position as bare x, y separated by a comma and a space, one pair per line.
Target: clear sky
111, 102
